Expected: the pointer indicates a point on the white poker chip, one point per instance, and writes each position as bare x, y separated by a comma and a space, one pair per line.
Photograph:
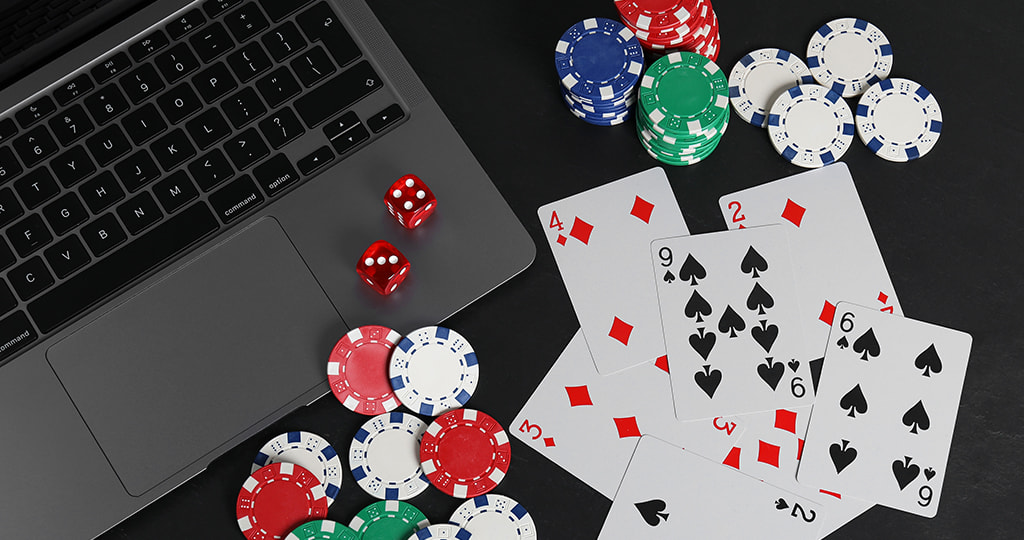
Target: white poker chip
308, 450
848, 55
758, 79
495, 517
445, 530
898, 119
433, 370
385, 456
810, 125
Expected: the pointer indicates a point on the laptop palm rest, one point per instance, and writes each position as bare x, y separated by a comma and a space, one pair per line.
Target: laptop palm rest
230, 338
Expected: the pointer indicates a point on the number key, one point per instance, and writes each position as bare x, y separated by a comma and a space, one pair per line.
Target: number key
9, 166
35, 146
106, 104
71, 125
142, 83
176, 63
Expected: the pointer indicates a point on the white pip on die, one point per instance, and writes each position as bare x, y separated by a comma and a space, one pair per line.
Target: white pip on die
410, 201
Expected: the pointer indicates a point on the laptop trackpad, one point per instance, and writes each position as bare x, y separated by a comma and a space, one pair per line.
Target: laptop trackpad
181, 368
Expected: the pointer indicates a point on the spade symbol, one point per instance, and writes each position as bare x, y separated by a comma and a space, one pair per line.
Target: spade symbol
780, 504
771, 373
842, 455
867, 345
929, 473
669, 276
854, 402
843, 343
731, 322
794, 364
697, 306
929, 361
691, 270
703, 343
753, 263
917, 418
653, 511
708, 380
904, 472
765, 335
759, 299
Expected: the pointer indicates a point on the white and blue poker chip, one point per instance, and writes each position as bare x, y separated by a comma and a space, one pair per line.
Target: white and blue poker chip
898, 119
307, 450
445, 531
385, 456
433, 370
810, 125
848, 55
495, 517
758, 79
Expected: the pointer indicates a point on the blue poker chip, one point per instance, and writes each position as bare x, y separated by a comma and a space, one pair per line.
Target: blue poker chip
495, 516
619, 105
384, 456
433, 370
599, 59
810, 125
898, 119
446, 531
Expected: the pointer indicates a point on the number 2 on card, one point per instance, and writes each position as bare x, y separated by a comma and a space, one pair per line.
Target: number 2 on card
736, 208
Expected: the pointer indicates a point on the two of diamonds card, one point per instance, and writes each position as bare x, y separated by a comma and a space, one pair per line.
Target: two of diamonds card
886, 408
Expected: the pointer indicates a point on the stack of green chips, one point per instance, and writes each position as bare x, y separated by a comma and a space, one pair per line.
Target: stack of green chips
683, 108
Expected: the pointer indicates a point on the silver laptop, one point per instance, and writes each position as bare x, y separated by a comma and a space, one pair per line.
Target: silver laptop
185, 190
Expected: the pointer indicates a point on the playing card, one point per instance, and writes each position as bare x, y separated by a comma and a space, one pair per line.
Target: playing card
668, 493
600, 239
730, 322
769, 450
886, 407
589, 424
830, 241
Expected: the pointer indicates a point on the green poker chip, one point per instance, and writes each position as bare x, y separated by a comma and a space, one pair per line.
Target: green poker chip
388, 520
322, 529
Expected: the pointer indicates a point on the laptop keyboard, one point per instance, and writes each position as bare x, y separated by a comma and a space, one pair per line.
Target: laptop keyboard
130, 160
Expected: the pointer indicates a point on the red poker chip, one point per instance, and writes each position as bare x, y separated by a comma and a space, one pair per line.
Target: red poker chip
652, 14
465, 453
358, 370
278, 498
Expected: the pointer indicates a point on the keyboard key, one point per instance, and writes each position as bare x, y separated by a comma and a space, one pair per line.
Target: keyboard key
72, 166
175, 191
245, 149
67, 256
283, 41
71, 125
15, 334
350, 139
110, 67
183, 25
211, 42
316, 159
179, 103
235, 199
108, 145
35, 111
340, 124
65, 213
279, 9
243, 107
7, 129
319, 23
9, 166
210, 170
35, 146
139, 212
96, 282
145, 47
208, 128
29, 235
281, 127
7, 257
245, 22
7, 299
173, 149
337, 94
36, 187
213, 8
214, 82
103, 234
137, 170
313, 66
275, 174
277, 87
142, 83
106, 104
101, 192
144, 124
249, 61
10, 208
73, 89
391, 114
30, 278
177, 62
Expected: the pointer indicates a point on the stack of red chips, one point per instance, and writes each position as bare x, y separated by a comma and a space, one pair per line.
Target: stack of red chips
689, 25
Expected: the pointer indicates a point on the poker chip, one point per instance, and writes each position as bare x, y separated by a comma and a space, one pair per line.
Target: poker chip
759, 77
495, 517
848, 55
384, 456
599, 62
810, 125
276, 499
445, 530
465, 453
673, 25
308, 450
682, 108
357, 370
323, 529
388, 520
898, 119
434, 370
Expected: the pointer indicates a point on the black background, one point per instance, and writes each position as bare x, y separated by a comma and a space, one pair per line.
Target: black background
948, 226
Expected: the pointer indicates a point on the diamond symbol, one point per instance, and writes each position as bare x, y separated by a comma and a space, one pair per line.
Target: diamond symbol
642, 209
578, 395
828, 312
768, 453
883, 298
733, 459
561, 239
581, 230
794, 213
799, 449
549, 442
785, 420
662, 363
627, 427
620, 331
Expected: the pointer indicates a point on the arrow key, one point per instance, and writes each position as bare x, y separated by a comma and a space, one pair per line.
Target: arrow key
385, 118
318, 158
350, 139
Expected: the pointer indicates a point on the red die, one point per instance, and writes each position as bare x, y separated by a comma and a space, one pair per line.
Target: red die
383, 267
410, 201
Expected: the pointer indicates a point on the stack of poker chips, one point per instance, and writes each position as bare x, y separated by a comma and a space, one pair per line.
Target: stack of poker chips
599, 62
675, 25
682, 108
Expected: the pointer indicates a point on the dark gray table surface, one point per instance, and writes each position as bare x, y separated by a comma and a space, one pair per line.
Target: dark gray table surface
948, 225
